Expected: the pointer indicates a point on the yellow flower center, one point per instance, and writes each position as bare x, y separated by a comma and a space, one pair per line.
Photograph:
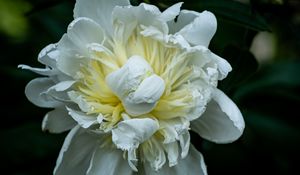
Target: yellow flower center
168, 62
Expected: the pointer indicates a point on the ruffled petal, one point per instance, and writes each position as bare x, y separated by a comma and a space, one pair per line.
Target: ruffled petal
128, 77
36, 90
144, 15
108, 160
76, 152
130, 133
222, 121
58, 121
99, 10
135, 86
193, 164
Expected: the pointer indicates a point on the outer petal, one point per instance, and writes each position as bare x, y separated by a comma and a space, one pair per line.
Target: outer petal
76, 152
58, 121
193, 164
48, 55
171, 12
108, 160
201, 30
35, 92
196, 28
223, 66
222, 121
130, 133
98, 10
42, 71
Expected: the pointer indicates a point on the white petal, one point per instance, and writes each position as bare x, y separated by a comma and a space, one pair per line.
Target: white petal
154, 154
184, 18
130, 133
83, 31
193, 164
144, 99
135, 109
48, 55
76, 152
108, 160
62, 86
35, 91
78, 99
202, 55
201, 30
143, 15
128, 77
223, 66
184, 140
73, 46
82, 119
172, 152
222, 121
98, 10
58, 121
171, 12
42, 71
138, 96
149, 91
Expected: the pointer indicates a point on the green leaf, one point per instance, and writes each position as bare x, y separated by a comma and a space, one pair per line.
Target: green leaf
281, 75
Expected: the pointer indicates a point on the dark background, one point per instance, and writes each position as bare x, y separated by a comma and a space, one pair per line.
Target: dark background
266, 87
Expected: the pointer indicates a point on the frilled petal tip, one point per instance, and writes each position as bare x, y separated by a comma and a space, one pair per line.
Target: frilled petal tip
222, 121
192, 164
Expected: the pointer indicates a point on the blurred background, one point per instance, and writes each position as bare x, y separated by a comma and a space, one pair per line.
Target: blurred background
260, 38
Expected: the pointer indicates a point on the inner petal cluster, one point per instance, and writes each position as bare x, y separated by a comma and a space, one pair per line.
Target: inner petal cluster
152, 80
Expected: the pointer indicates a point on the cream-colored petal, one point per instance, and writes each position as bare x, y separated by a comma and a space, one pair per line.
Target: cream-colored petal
153, 154
222, 122
193, 164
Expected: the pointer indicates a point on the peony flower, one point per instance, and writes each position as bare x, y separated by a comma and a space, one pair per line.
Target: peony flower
130, 82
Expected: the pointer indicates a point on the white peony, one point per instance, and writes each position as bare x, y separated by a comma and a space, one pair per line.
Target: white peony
130, 82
